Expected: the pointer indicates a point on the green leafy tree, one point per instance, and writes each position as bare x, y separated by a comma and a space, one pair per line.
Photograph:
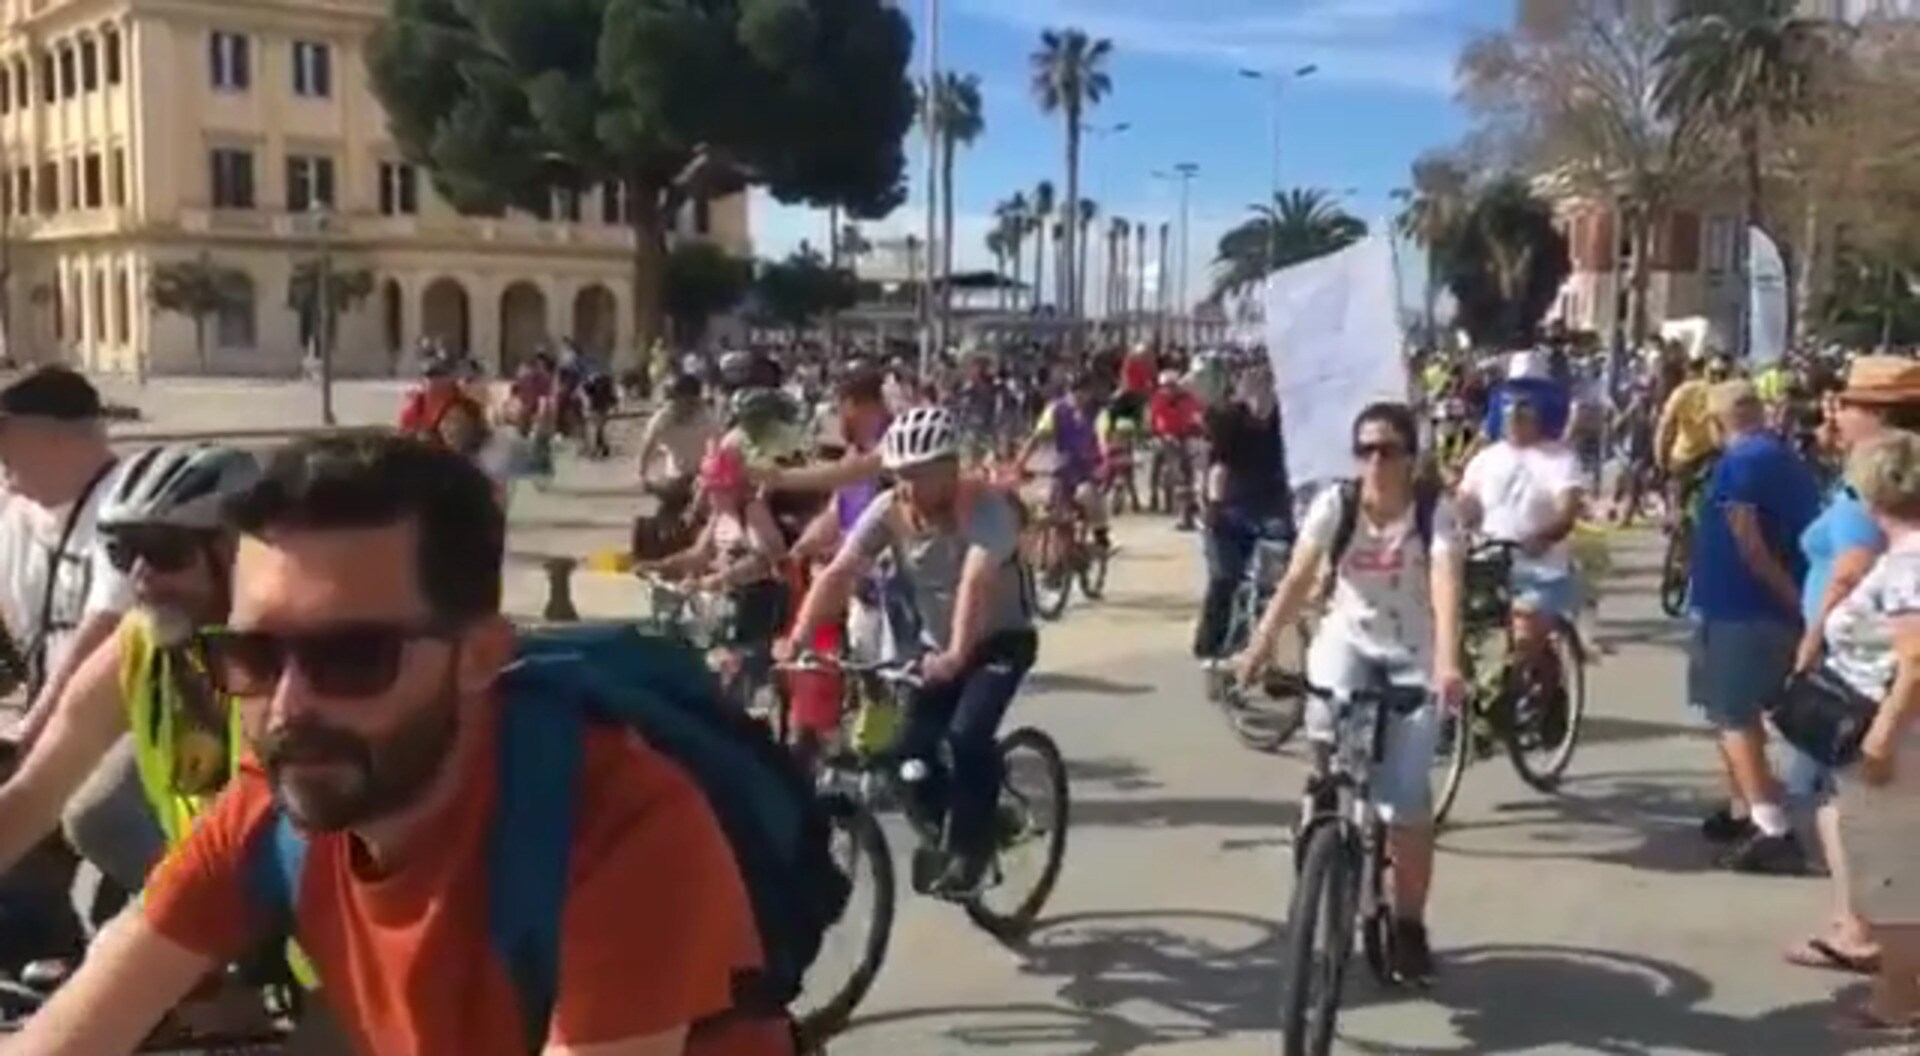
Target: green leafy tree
1069, 78
1504, 263
503, 101
1875, 300
197, 289
802, 288
1298, 226
346, 290
702, 281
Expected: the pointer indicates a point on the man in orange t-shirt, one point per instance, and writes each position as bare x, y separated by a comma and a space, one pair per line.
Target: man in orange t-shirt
365, 641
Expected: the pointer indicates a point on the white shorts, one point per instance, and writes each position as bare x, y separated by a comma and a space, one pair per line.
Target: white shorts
1402, 784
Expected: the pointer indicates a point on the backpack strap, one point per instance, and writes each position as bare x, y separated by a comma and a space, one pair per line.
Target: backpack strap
275, 862
1343, 529
541, 748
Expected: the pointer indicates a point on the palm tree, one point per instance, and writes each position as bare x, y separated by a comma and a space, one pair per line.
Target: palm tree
1038, 220
1070, 77
1300, 225
1747, 64
958, 120
997, 245
1437, 204
851, 244
1140, 267
1089, 211
1060, 247
1012, 216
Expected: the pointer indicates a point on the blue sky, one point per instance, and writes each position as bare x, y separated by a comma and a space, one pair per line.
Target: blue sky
1383, 93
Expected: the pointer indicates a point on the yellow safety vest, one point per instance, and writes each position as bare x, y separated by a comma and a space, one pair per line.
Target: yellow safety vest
169, 759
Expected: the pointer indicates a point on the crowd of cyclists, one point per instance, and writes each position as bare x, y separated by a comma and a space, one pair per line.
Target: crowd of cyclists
277, 697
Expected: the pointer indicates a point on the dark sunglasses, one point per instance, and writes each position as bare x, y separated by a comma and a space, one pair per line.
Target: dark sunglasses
162, 550
347, 661
1383, 449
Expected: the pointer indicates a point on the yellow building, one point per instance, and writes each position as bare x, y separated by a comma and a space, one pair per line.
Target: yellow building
134, 133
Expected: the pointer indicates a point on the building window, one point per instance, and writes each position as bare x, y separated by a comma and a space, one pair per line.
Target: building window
6, 193
69, 75
6, 93
110, 51
613, 202
97, 307
233, 326
49, 84
567, 203
23, 191
399, 189
123, 307
117, 177
94, 182
309, 182
227, 58
312, 69
73, 183
232, 179
49, 188
89, 65
22, 84
702, 216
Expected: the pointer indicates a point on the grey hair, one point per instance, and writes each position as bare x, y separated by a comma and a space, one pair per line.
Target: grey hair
1886, 473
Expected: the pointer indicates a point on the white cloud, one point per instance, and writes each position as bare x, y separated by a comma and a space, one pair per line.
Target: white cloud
1390, 43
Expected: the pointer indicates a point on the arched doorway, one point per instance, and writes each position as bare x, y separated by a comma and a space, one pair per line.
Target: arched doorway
445, 317
593, 321
392, 329
523, 324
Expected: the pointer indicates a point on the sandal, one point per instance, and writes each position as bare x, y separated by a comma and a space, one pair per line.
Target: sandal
1821, 953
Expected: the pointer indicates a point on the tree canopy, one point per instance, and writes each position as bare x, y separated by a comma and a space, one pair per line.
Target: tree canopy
703, 281
800, 289
502, 101
1298, 226
1504, 262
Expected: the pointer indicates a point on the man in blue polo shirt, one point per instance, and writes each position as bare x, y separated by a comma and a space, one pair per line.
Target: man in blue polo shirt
1745, 591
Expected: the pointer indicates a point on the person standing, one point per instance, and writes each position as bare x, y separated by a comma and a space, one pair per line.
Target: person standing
1745, 591
1245, 498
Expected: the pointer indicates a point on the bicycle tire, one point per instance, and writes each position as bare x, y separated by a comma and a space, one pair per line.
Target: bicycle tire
1093, 573
1052, 574
1673, 574
1321, 904
869, 841
1010, 928
1573, 676
1459, 757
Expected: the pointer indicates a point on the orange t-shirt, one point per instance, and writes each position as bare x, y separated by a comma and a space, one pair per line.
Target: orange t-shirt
655, 926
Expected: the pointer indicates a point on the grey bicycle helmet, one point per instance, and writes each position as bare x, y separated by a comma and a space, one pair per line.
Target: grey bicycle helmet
177, 486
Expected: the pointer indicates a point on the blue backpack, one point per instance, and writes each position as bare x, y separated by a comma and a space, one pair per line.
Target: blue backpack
564, 678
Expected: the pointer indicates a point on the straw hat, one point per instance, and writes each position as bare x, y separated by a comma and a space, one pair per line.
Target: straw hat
1882, 379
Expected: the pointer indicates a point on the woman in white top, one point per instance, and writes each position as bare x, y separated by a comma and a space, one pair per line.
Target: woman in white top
1395, 612
1873, 641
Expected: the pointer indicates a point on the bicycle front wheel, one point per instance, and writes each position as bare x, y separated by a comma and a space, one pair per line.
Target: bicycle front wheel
1319, 942
853, 950
1544, 731
1456, 751
1030, 836
1673, 574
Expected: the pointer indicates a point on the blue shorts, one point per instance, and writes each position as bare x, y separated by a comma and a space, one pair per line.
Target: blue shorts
1734, 666
1546, 592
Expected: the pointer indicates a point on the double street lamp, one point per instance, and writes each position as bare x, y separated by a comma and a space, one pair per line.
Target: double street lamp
1184, 172
1279, 79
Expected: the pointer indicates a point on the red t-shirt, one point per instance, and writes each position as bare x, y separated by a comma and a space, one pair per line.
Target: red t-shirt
1136, 372
425, 405
655, 926
1174, 414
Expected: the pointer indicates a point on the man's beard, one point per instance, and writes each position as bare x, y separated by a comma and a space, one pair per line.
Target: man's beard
379, 779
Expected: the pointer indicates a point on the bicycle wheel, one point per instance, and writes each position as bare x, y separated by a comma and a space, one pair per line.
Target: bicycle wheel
834, 988
1456, 751
1319, 942
1032, 835
1673, 574
1052, 576
1550, 728
1094, 560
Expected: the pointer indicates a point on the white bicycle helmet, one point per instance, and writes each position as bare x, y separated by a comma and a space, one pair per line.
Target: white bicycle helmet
921, 435
177, 486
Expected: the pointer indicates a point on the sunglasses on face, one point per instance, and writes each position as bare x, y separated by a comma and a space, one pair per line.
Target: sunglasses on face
161, 551
1382, 449
347, 661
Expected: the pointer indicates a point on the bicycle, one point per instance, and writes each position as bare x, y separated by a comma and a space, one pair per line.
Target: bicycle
1061, 549
1502, 703
1340, 869
22, 994
863, 777
1261, 728
1676, 564
702, 620
1169, 475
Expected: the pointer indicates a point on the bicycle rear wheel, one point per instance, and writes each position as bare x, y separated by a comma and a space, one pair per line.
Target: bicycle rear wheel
1031, 819
1550, 727
1673, 573
833, 988
1052, 575
1319, 942
1456, 751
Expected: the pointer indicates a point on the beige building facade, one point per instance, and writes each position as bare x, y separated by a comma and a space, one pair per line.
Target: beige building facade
135, 134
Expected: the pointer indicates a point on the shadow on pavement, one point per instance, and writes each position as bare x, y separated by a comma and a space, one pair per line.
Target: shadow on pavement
1612, 729
1656, 631
1169, 813
1067, 682
1646, 820
1520, 999
1123, 775
1031, 1027
1201, 973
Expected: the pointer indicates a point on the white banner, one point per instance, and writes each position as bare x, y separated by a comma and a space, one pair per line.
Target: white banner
1766, 299
1333, 336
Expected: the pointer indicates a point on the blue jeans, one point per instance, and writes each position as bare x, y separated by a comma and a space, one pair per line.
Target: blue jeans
1230, 538
954, 728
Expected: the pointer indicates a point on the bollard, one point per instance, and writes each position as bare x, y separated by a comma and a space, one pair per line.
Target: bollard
560, 607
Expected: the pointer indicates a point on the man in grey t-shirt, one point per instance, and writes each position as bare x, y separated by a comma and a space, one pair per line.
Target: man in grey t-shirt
957, 544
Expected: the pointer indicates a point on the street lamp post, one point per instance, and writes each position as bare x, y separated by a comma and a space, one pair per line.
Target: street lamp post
1279, 81
932, 318
323, 308
1079, 313
1186, 171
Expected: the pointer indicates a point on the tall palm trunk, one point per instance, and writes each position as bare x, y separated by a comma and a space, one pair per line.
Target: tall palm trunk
1082, 237
1140, 272
1755, 190
1040, 261
1017, 255
948, 150
1073, 218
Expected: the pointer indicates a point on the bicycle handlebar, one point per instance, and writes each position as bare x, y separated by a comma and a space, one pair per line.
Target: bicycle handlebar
900, 672
1401, 700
